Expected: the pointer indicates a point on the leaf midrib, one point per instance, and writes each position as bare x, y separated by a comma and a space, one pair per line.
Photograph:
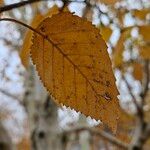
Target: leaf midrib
75, 66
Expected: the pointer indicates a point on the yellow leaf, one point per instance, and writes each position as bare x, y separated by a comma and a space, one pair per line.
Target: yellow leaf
52, 11
119, 49
25, 51
75, 67
120, 15
1, 2
125, 125
109, 2
145, 32
24, 144
105, 32
141, 14
145, 51
138, 71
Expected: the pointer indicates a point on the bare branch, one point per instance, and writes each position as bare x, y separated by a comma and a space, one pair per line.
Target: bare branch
100, 133
17, 5
23, 24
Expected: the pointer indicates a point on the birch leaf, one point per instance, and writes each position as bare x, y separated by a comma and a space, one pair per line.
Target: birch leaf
108, 2
144, 31
1, 2
125, 125
74, 65
25, 51
119, 49
138, 71
24, 144
145, 51
105, 32
118, 54
141, 14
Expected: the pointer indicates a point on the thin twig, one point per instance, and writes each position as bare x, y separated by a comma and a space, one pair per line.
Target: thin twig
23, 24
100, 133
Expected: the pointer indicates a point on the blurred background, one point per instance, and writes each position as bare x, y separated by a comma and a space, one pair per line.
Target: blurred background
27, 115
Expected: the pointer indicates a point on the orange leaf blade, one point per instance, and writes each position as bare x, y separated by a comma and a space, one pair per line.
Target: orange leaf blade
75, 67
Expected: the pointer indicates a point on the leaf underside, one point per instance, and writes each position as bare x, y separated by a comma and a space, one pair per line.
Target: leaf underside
74, 66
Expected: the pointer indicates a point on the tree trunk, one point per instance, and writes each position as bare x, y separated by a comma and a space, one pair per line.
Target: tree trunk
42, 113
